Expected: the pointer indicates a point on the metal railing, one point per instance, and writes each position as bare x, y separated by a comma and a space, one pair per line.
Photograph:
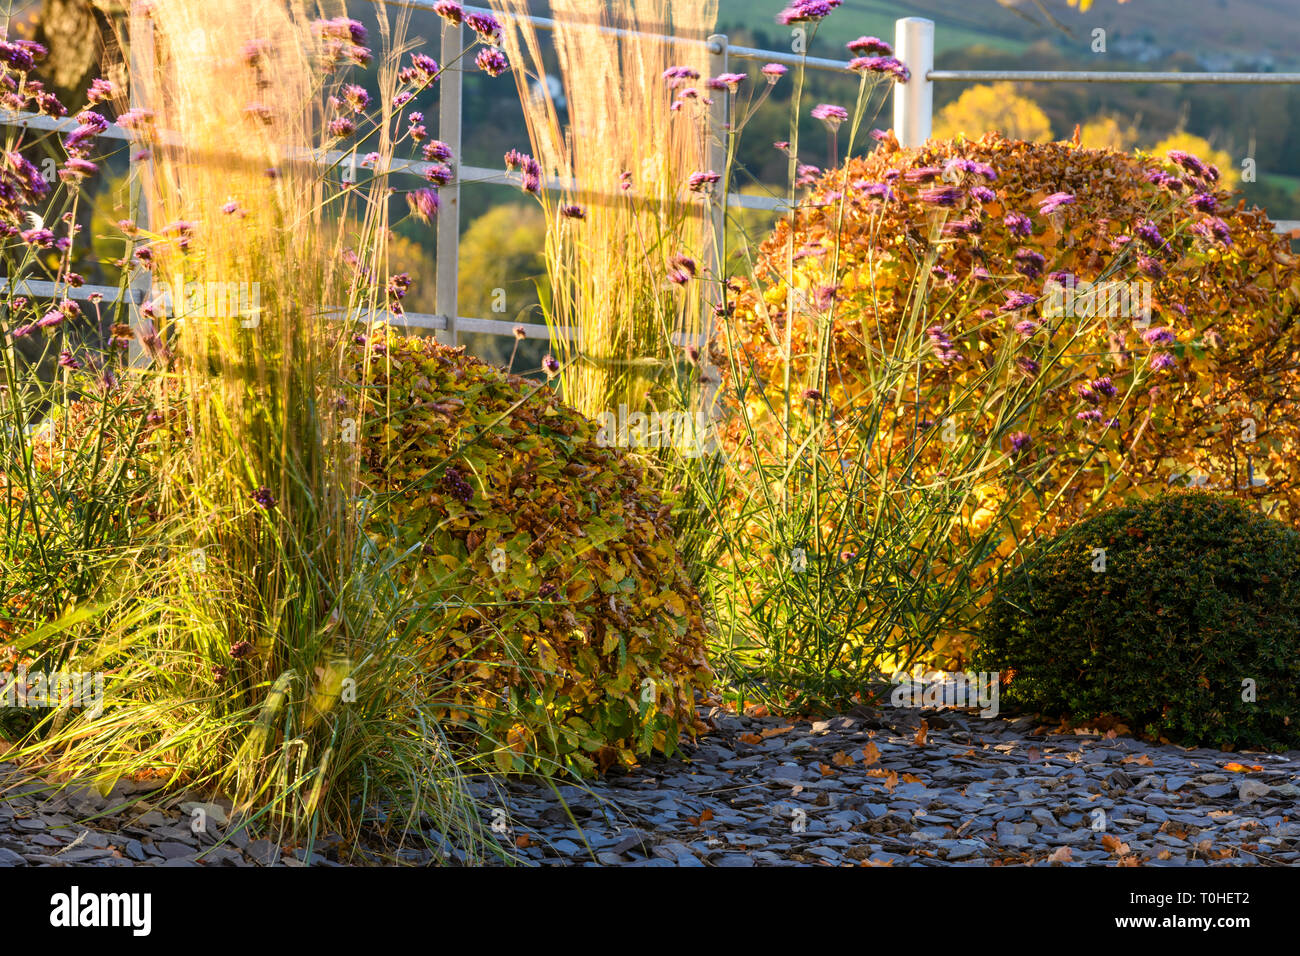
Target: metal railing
913, 109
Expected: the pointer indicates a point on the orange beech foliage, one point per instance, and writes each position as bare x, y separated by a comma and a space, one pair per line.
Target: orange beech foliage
998, 233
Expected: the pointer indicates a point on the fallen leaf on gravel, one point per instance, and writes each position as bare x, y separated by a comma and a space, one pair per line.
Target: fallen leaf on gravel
756, 710
877, 862
705, 816
921, 733
1113, 844
750, 739
826, 769
1242, 768
775, 731
1033, 754
1062, 855
523, 840
1130, 860
841, 759
870, 754
1163, 855
912, 778
1142, 761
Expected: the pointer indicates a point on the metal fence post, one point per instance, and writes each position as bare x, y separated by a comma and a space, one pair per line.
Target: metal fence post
140, 38
719, 134
914, 100
449, 122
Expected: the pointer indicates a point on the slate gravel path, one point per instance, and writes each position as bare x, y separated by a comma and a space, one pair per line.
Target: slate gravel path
862, 789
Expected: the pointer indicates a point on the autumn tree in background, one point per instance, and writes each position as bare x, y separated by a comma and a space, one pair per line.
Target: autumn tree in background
1108, 132
997, 107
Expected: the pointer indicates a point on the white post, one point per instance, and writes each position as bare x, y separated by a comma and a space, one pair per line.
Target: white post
719, 136
449, 121
141, 57
914, 100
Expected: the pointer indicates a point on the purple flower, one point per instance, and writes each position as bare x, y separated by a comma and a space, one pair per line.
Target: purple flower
67, 361
943, 345
1027, 327
940, 196
773, 72
1104, 386
425, 64
1163, 360
551, 366
983, 194
806, 174
1018, 224
1029, 263
1019, 442
1212, 227
1017, 300
880, 190
436, 151
806, 11
870, 46
727, 81
439, 174
456, 486
76, 169
1149, 233
449, 10
830, 114
423, 203
1150, 267
263, 497
491, 61
886, 65
1089, 415
1159, 336
341, 126
1054, 202
1204, 202
675, 76
573, 212
702, 182
357, 97
922, 174
1027, 365
485, 25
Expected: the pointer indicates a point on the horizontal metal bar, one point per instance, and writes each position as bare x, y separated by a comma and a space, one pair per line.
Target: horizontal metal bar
41, 289
788, 59
1105, 76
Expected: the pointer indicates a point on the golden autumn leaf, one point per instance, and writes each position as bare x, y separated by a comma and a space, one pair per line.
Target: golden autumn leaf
841, 759
1062, 855
870, 754
922, 732
1235, 767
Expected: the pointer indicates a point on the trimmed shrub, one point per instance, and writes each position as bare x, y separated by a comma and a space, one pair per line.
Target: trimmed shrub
1159, 613
1201, 394
568, 626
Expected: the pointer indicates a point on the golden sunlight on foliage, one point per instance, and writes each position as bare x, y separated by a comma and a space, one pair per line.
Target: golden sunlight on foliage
993, 108
1106, 132
632, 155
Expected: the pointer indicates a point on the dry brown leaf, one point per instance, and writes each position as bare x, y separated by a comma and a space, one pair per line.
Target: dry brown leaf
922, 732
1114, 845
1242, 768
1062, 855
1142, 761
750, 739
870, 754
775, 731
841, 759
